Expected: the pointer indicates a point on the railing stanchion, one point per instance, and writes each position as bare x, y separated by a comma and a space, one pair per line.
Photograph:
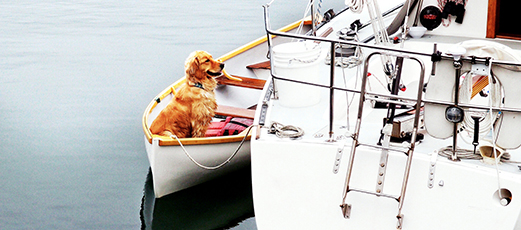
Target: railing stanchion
331, 92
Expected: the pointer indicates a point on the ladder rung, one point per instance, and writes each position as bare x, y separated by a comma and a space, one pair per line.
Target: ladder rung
397, 198
385, 148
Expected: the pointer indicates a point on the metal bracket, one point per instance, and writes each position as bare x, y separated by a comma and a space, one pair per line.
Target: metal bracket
480, 69
337, 160
264, 108
383, 159
399, 225
346, 210
381, 171
432, 167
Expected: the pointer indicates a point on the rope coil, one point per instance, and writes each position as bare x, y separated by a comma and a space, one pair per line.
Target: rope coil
282, 131
470, 155
487, 118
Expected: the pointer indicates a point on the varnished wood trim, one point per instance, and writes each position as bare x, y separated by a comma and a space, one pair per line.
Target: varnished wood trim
252, 83
260, 65
235, 112
492, 18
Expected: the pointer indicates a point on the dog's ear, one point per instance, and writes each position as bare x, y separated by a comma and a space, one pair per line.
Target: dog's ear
191, 64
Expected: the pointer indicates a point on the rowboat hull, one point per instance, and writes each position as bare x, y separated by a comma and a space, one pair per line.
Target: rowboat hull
173, 170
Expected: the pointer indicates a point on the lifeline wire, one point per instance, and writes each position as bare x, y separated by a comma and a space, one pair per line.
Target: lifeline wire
217, 166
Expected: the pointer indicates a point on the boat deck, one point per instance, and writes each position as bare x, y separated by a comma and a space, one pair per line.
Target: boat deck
298, 183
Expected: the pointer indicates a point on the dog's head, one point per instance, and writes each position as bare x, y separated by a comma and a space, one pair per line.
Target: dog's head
201, 68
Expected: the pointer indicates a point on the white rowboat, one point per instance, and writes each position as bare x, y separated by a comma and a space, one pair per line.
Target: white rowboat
179, 164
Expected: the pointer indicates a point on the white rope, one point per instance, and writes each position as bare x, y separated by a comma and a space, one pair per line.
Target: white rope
469, 154
406, 22
301, 25
487, 121
487, 117
314, 46
355, 5
354, 60
319, 7
282, 131
496, 158
219, 165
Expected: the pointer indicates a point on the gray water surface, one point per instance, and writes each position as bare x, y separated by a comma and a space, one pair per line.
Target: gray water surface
75, 79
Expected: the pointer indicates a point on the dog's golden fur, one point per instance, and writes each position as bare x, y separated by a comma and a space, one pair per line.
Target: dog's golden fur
191, 110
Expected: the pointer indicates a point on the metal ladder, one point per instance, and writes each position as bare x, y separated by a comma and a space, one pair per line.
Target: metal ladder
346, 208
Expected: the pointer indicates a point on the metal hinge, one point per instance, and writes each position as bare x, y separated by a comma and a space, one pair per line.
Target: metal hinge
432, 167
337, 160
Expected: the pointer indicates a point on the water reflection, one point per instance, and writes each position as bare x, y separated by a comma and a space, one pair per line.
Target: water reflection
218, 204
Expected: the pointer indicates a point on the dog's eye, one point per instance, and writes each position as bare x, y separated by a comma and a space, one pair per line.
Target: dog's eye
207, 60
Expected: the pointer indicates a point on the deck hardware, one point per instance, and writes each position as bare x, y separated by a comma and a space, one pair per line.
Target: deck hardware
264, 110
386, 131
264, 107
435, 57
337, 160
432, 167
282, 131
340, 137
346, 208
400, 221
480, 69
331, 94
504, 196
457, 52
454, 114
394, 88
475, 142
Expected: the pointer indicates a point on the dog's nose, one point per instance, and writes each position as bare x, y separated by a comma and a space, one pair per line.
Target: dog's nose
222, 65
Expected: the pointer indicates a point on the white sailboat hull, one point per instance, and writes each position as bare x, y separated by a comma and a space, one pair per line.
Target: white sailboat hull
309, 194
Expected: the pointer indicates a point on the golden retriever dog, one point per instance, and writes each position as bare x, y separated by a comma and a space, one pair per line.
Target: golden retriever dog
191, 110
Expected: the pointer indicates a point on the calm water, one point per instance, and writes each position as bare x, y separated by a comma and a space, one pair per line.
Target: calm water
75, 79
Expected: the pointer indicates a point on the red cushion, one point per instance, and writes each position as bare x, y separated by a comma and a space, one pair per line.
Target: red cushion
230, 126
216, 128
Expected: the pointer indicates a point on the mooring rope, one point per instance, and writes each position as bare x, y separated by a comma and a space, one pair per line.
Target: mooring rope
219, 165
